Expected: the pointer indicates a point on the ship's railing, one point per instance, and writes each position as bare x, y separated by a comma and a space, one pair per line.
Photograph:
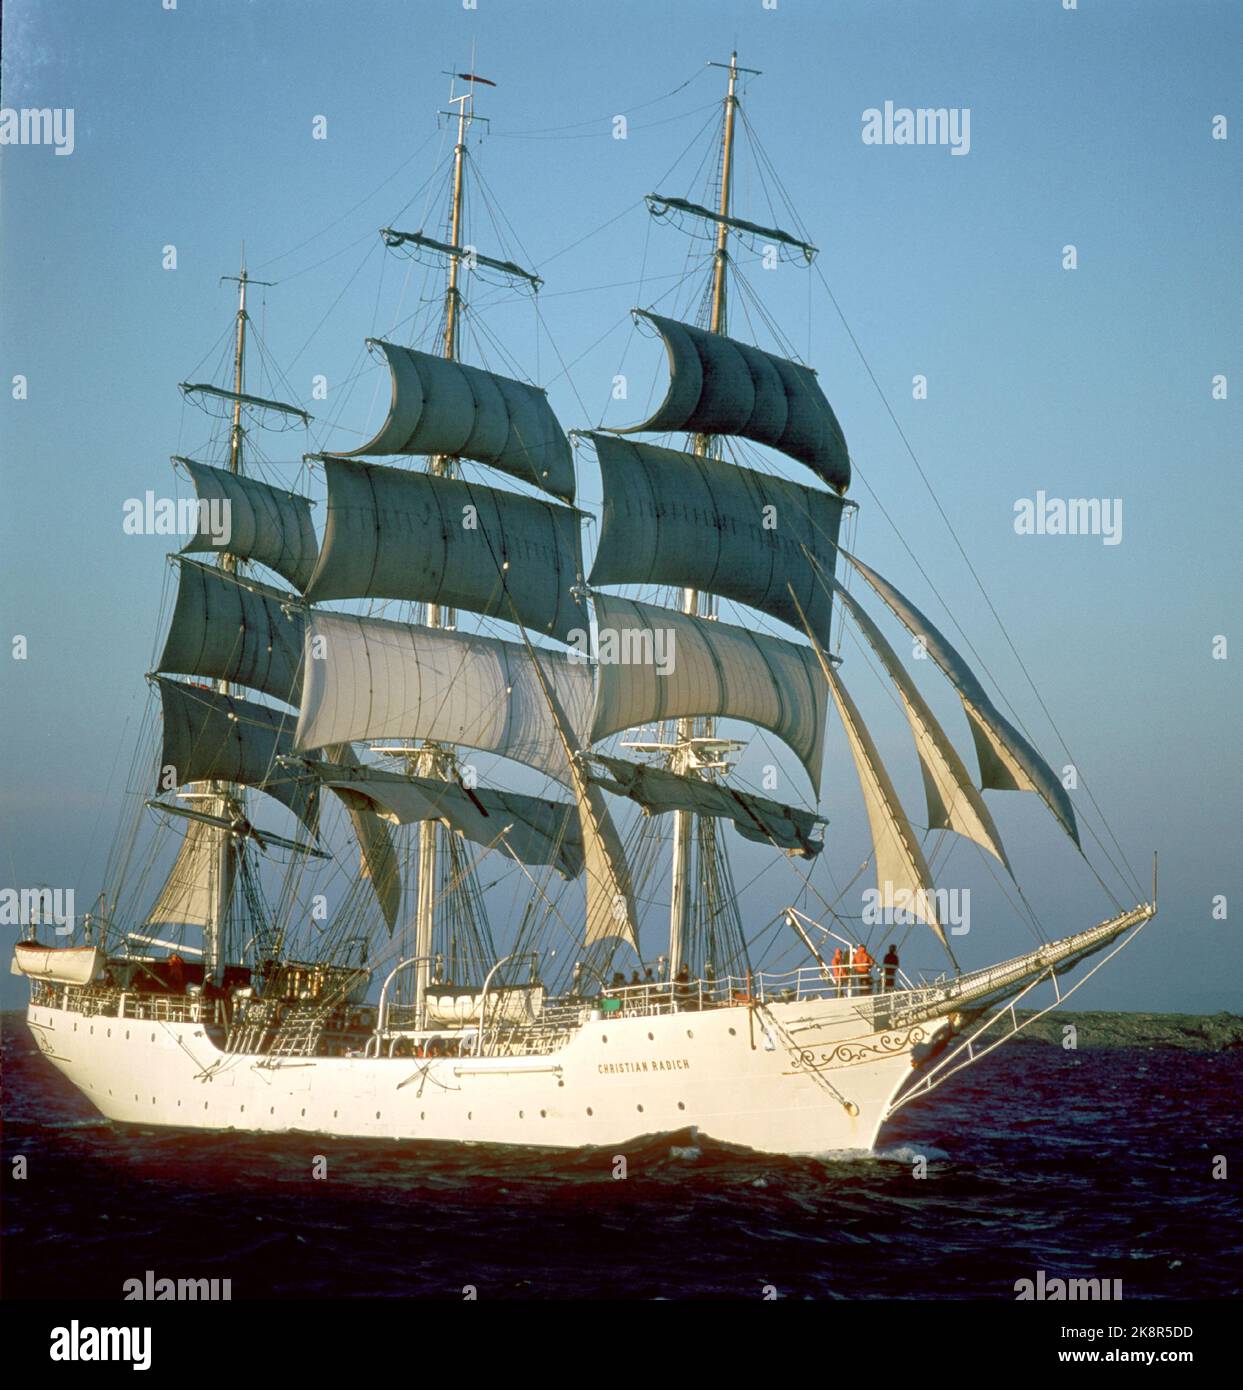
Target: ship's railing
107, 1001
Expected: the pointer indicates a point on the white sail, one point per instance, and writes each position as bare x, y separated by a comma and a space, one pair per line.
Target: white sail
1008, 762
657, 664
903, 879
209, 737
445, 407
757, 818
189, 897
234, 629
700, 523
534, 830
264, 523
368, 678
953, 802
718, 385
394, 533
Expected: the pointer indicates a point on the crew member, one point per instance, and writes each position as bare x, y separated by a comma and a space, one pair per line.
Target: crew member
862, 963
838, 964
891, 967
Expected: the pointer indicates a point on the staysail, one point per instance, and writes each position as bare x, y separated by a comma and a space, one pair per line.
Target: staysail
209, 736
264, 523
369, 678
397, 534
697, 522
376, 854
441, 406
235, 629
952, 799
657, 664
718, 385
903, 879
189, 897
757, 818
1008, 762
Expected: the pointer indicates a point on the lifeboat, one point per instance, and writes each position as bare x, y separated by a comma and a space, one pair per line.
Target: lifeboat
69, 965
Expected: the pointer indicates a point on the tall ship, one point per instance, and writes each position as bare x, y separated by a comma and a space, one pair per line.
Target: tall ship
435, 827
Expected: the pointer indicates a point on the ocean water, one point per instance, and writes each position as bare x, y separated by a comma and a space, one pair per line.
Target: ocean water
1089, 1164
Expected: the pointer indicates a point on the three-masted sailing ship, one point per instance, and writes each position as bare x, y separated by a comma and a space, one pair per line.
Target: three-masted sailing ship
273, 982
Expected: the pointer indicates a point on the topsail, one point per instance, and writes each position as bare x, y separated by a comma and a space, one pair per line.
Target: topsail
718, 385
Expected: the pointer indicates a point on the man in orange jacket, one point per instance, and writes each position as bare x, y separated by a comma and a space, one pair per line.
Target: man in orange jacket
862, 963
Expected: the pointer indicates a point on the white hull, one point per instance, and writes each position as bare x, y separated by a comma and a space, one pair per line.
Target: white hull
724, 1071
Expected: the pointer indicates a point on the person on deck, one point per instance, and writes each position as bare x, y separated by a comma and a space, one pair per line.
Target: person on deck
838, 965
862, 963
891, 967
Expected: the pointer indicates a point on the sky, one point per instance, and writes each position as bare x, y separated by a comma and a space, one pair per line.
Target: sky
1092, 128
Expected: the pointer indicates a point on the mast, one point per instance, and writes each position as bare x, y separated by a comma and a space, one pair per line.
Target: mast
433, 761
214, 947
684, 758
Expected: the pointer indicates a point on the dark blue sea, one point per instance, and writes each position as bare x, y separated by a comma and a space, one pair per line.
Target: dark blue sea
1089, 1164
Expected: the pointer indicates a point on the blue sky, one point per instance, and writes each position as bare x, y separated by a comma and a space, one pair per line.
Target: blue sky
1091, 127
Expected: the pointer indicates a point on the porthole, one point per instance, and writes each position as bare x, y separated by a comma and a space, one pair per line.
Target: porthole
334, 1113
681, 1105
604, 1037
689, 1034
152, 1037
204, 1104
303, 1112
127, 1035
470, 1114
543, 1114
651, 1037
589, 1110
243, 1110
521, 1116
733, 1032
271, 1110
639, 1108
109, 1033
377, 1114
422, 1114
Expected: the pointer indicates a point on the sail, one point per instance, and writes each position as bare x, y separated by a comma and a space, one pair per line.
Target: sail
209, 736
534, 830
234, 629
953, 802
718, 385
444, 407
393, 533
701, 523
610, 914
369, 678
903, 879
377, 857
1007, 761
188, 896
657, 664
756, 817
265, 524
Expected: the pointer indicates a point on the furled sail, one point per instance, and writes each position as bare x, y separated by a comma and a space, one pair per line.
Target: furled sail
953, 802
756, 817
189, 895
718, 385
1007, 761
377, 856
369, 678
394, 533
903, 879
700, 523
656, 664
265, 523
535, 830
234, 629
444, 407
209, 736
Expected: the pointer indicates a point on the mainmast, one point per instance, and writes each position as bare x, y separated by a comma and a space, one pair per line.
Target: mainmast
432, 760
685, 757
